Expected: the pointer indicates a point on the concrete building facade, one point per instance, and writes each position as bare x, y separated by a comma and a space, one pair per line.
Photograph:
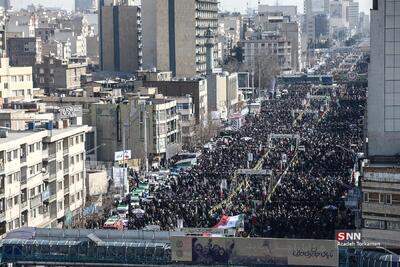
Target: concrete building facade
41, 177
120, 37
53, 74
384, 80
198, 89
276, 45
15, 82
24, 51
125, 122
174, 35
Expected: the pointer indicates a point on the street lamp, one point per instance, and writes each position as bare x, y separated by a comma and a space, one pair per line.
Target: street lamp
143, 106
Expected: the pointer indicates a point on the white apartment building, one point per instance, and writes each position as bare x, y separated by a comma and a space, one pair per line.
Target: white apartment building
153, 120
15, 82
185, 108
41, 177
275, 45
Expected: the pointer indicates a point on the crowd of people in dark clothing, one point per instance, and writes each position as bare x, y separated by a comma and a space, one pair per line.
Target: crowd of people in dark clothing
310, 171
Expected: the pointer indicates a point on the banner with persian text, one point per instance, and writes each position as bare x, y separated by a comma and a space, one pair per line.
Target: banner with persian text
254, 251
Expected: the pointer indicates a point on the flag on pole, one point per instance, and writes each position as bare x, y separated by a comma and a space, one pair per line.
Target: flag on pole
227, 222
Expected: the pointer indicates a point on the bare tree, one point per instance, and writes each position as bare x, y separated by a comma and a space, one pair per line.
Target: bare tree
204, 132
266, 68
232, 65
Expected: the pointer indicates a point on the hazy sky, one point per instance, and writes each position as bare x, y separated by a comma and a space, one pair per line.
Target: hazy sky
232, 5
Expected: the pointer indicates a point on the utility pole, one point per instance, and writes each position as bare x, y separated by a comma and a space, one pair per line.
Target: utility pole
145, 137
125, 174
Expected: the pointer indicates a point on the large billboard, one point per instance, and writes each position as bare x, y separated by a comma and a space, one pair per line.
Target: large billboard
254, 251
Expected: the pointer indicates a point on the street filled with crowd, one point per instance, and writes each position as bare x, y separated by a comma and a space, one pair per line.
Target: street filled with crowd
306, 139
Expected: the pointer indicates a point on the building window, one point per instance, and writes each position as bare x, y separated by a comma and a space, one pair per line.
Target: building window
32, 170
9, 203
60, 186
10, 226
17, 176
60, 205
32, 192
31, 148
381, 198
375, 224
16, 200
366, 197
395, 199
9, 157
15, 154
388, 199
373, 197
38, 146
59, 146
393, 225
9, 179
60, 166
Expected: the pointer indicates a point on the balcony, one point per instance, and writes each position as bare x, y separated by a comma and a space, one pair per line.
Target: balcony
52, 197
45, 154
45, 196
36, 201
46, 176
24, 205
52, 176
380, 208
65, 151
66, 190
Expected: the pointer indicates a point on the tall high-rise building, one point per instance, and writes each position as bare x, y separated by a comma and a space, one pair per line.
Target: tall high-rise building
5, 4
85, 5
120, 31
353, 14
174, 34
313, 8
384, 80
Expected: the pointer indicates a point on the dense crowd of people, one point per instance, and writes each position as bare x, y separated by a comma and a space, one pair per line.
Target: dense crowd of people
302, 197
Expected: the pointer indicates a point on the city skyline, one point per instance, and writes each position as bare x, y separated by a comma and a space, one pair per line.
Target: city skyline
230, 5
